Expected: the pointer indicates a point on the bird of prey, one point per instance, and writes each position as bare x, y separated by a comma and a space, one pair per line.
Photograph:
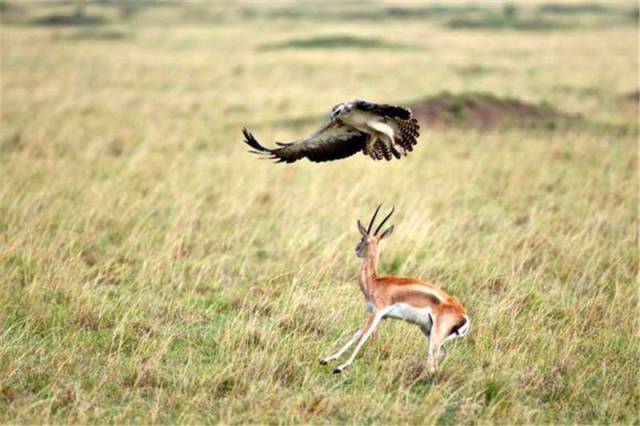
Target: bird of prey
377, 130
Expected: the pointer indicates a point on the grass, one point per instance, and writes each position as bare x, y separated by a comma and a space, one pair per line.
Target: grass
95, 34
151, 271
336, 42
545, 17
76, 18
577, 8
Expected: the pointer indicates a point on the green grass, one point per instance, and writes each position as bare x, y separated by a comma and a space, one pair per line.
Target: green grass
577, 8
336, 42
76, 18
152, 271
545, 17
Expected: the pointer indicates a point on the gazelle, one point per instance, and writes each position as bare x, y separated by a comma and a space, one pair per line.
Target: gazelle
441, 317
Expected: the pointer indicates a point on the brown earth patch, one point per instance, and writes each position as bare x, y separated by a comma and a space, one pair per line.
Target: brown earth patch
483, 111
633, 96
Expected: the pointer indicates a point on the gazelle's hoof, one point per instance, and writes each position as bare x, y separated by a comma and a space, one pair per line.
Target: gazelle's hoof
324, 362
337, 370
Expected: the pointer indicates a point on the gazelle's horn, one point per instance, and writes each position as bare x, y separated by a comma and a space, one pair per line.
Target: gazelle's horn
384, 220
373, 218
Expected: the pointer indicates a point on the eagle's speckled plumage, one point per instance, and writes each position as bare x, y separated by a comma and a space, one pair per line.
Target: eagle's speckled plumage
377, 130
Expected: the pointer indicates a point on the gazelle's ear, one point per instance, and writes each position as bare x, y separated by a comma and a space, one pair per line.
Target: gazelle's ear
361, 229
386, 233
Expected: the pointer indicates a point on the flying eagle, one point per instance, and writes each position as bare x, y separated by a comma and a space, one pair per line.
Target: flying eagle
378, 130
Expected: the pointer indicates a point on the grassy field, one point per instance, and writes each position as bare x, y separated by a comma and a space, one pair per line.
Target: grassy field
151, 271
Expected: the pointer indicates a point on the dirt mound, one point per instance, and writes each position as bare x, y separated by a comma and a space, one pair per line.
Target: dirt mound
483, 111
633, 96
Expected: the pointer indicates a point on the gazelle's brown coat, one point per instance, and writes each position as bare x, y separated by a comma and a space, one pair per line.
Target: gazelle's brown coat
439, 315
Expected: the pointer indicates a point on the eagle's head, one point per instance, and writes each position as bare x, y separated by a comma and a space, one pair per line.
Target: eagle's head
340, 109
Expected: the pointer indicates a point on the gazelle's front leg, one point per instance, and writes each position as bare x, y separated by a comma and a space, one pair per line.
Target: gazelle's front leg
369, 327
338, 354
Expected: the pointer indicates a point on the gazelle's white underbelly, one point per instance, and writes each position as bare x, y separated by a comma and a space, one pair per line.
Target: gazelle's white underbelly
418, 316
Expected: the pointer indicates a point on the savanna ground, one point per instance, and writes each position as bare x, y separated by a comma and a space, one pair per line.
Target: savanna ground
152, 271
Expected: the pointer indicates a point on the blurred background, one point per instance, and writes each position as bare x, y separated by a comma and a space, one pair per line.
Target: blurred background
153, 271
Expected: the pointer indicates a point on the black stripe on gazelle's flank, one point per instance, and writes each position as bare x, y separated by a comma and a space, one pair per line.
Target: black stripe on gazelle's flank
416, 298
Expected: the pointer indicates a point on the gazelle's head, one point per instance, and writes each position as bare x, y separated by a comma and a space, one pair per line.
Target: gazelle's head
370, 239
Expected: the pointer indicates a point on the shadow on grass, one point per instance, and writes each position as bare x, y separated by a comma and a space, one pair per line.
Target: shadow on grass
577, 9
77, 18
311, 13
546, 17
497, 22
336, 42
509, 18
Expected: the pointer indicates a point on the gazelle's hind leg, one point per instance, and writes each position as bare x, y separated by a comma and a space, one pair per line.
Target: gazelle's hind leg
428, 329
435, 342
338, 354
441, 328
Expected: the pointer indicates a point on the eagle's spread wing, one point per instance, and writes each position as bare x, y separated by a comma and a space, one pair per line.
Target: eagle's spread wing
386, 110
332, 142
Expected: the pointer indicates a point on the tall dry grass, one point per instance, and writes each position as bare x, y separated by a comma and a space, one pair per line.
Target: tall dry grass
153, 272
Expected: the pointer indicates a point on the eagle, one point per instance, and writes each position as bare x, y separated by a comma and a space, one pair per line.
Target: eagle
380, 131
